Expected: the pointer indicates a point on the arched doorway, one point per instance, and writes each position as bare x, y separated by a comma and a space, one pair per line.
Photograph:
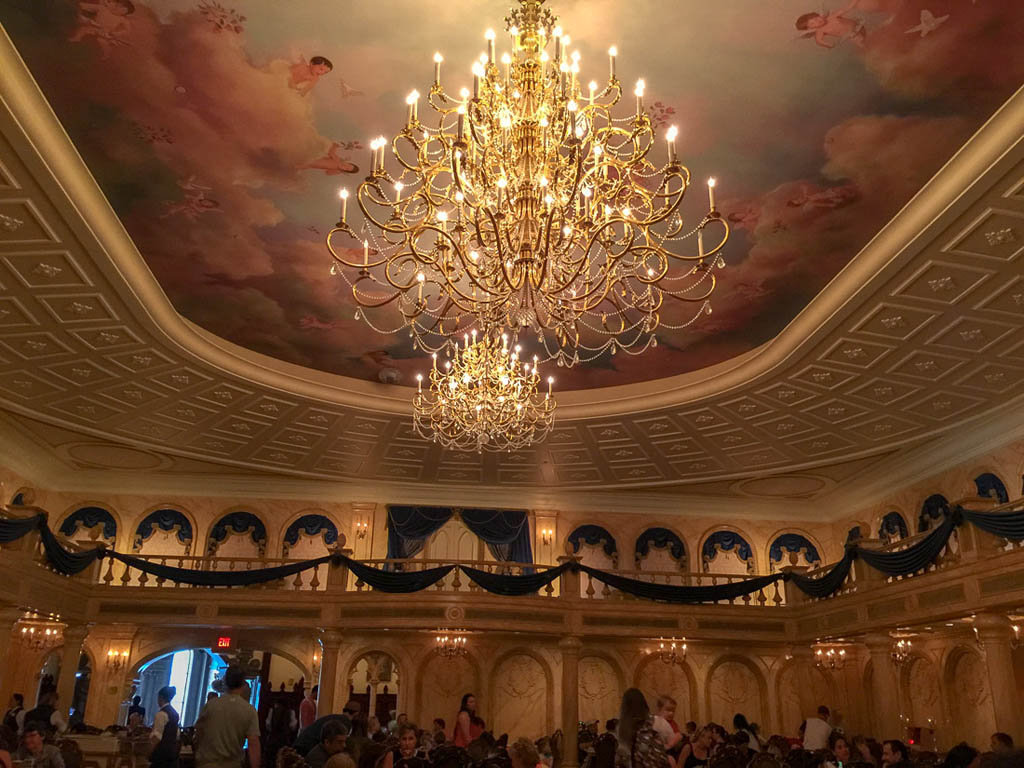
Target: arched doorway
373, 681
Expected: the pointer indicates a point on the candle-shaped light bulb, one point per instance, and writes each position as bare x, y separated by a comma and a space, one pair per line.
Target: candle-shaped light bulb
478, 72
592, 87
507, 61
639, 92
438, 58
612, 53
711, 192
419, 382
489, 34
399, 186
366, 253
670, 136
343, 194
412, 99
461, 112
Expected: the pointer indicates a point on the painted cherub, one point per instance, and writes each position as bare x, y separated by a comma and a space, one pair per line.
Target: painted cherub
105, 21
195, 203
332, 163
832, 27
831, 197
303, 75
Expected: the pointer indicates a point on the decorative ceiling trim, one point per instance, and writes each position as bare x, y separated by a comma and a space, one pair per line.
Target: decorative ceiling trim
89, 341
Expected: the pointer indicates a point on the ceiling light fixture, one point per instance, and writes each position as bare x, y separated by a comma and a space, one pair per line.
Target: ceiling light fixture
530, 203
483, 398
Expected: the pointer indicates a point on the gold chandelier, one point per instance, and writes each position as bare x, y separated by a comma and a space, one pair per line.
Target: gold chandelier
450, 645
483, 398
533, 202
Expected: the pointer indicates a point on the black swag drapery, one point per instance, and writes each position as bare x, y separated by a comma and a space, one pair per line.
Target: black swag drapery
915, 557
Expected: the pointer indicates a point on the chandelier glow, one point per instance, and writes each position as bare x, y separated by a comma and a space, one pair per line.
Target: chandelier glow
484, 399
527, 203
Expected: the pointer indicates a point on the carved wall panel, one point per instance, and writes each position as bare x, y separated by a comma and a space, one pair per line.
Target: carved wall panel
599, 694
654, 678
734, 688
519, 697
442, 684
922, 703
802, 689
970, 698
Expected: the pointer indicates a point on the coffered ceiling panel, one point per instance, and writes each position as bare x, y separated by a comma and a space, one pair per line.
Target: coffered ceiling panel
922, 333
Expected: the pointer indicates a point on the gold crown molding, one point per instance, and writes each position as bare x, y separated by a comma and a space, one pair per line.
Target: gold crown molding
808, 398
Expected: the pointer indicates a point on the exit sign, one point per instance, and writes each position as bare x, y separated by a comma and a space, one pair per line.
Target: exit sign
223, 642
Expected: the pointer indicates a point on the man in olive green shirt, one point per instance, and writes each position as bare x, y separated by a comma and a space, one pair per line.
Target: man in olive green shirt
225, 724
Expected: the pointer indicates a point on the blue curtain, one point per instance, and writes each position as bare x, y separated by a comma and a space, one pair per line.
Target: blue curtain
793, 542
660, 538
990, 486
934, 507
893, 527
410, 527
311, 525
593, 535
88, 518
725, 541
165, 520
506, 532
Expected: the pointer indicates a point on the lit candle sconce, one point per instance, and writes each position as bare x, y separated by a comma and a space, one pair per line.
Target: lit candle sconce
116, 660
547, 536
317, 659
362, 527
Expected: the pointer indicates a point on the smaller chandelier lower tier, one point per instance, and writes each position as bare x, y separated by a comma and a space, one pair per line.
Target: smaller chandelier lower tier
484, 398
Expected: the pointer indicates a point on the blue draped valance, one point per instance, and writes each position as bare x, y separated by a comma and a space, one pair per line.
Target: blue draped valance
660, 538
991, 487
793, 542
165, 520
506, 532
933, 508
592, 535
238, 522
88, 518
311, 525
893, 527
726, 541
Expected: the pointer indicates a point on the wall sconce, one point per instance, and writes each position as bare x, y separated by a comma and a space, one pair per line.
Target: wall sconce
547, 536
116, 661
670, 650
1015, 640
361, 529
830, 658
902, 651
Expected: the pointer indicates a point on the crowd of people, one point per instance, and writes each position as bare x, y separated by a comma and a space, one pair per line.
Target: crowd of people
228, 734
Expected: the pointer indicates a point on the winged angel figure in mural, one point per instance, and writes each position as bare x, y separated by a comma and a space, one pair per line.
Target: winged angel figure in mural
104, 21
829, 28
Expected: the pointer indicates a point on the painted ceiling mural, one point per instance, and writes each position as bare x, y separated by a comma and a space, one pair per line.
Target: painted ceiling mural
221, 131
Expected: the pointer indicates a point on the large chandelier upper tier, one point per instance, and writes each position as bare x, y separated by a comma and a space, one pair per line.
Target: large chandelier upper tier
531, 201
484, 398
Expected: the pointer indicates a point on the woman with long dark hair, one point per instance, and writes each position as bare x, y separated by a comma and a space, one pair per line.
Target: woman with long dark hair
639, 744
468, 725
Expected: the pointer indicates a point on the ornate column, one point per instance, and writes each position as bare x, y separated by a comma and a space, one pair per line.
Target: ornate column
570, 647
885, 703
330, 649
70, 654
994, 632
9, 615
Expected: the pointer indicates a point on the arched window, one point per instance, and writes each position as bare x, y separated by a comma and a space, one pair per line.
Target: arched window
316, 532
727, 552
238, 534
669, 552
935, 507
597, 549
593, 535
89, 523
991, 487
893, 528
163, 532
793, 549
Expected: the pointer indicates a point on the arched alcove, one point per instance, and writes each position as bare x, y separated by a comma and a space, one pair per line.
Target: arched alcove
89, 523
600, 686
521, 694
373, 679
736, 685
933, 509
654, 677
598, 549
989, 486
164, 531
727, 551
969, 696
793, 548
801, 687
310, 535
660, 549
893, 527
441, 684
239, 534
